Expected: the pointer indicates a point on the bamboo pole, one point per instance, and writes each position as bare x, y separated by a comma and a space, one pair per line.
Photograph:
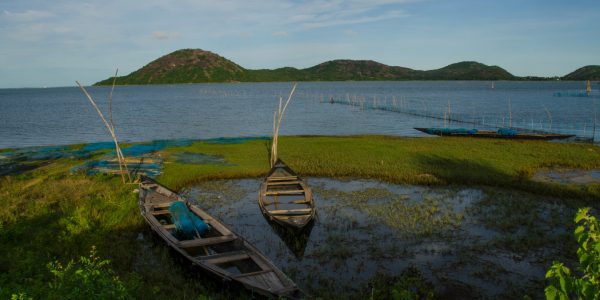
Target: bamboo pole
509, 114
110, 130
110, 100
594, 130
279, 117
120, 156
549, 115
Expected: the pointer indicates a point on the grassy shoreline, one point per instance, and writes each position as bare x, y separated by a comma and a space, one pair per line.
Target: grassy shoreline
50, 214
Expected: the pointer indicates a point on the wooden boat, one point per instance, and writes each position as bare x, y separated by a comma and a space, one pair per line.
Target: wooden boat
494, 134
220, 251
285, 198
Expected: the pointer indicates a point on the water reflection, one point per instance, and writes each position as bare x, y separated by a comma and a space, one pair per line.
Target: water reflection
295, 239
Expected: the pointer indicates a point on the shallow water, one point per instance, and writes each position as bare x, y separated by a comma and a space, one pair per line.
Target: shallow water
456, 237
60, 116
568, 176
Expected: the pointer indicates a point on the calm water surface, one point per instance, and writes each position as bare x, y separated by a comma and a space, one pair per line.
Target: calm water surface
56, 116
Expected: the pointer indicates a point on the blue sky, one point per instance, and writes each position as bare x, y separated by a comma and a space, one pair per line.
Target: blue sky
54, 43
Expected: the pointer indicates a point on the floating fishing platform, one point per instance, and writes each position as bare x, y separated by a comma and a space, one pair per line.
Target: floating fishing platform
219, 251
285, 198
500, 134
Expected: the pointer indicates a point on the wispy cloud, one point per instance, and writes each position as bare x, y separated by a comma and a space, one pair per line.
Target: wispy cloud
328, 21
280, 33
320, 14
165, 35
25, 16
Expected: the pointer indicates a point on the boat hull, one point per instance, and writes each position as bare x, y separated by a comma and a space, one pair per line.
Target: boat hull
220, 252
496, 135
285, 198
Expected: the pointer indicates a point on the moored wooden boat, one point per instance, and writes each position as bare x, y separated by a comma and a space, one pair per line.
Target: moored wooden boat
494, 134
219, 251
285, 198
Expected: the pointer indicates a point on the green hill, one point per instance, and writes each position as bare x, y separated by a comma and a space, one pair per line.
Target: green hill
468, 70
584, 73
183, 66
196, 65
343, 69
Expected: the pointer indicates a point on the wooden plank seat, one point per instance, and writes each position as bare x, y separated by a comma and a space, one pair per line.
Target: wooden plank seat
161, 205
299, 201
226, 258
252, 273
161, 212
299, 211
288, 192
290, 182
280, 178
206, 242
169, 226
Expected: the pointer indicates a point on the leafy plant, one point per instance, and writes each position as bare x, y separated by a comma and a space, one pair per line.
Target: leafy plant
90, 277
564, 284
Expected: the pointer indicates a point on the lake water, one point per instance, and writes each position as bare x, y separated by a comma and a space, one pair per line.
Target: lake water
58, 116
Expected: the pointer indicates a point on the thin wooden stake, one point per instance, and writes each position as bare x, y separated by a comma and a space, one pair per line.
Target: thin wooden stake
279, 117
110, 100
120, 156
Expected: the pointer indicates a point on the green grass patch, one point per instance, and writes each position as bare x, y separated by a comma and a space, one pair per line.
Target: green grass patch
439, 161
49, 214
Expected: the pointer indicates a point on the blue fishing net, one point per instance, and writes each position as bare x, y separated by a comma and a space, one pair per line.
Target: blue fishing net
237, 140
154, 146
507, 131
187, 224
98, 146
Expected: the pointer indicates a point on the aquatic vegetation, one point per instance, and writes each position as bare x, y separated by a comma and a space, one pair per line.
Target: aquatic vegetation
438, 161
49, 213
525, 221
411, 218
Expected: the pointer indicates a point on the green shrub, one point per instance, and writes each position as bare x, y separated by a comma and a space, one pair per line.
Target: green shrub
90, 277
566, 285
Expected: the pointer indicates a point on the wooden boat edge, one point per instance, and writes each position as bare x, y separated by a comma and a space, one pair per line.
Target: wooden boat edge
290, 288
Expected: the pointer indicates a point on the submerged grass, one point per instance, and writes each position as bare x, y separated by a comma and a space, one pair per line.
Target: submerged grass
414, 219
49, 214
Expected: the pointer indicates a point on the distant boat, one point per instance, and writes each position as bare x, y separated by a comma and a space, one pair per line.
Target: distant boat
493, 85
503, 133
588, 87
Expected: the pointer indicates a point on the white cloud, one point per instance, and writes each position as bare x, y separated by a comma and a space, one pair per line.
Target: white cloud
352, 19
281, 33
165, 35
350, 32
28, 15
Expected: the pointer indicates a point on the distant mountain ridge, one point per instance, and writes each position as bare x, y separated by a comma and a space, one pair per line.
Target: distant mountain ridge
197, 66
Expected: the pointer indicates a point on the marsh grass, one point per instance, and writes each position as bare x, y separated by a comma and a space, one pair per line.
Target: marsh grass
525, 221
435, 161
413, 219
49, 214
